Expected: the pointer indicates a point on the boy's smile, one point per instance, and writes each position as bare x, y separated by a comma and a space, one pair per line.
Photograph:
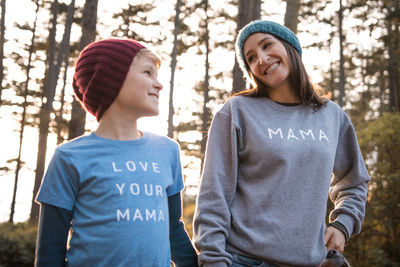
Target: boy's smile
155, 95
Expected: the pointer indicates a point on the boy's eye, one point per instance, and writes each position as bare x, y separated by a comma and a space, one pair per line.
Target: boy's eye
147, 72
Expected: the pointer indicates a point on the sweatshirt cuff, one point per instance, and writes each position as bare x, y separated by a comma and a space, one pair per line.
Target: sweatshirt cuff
347, 222
341, 228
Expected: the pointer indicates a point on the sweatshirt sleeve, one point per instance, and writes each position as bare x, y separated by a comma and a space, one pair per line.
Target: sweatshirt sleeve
217, 188
348, 189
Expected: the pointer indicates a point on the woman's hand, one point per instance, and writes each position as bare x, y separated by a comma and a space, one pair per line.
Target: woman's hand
334, 239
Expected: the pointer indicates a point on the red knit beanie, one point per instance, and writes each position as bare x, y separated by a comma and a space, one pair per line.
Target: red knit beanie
100, 71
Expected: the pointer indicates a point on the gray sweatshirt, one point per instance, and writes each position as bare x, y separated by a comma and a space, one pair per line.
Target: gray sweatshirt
267, 174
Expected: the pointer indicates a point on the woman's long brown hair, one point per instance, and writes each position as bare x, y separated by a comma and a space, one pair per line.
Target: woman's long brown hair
298, 78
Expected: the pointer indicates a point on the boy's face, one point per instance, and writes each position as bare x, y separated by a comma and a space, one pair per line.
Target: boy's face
141, 89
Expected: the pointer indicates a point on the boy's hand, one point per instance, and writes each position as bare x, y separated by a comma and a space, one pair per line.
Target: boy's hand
334, 239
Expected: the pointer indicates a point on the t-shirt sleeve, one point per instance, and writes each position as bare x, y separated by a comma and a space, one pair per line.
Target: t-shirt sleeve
176, 169
60, 183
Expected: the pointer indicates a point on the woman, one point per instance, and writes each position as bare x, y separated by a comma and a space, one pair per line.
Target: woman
269, 162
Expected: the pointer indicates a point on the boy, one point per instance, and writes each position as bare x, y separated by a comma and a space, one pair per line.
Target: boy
117, 189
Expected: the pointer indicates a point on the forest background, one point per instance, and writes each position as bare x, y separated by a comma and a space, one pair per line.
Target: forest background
351, 50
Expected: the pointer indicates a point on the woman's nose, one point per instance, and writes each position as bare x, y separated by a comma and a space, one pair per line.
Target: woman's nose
263, 59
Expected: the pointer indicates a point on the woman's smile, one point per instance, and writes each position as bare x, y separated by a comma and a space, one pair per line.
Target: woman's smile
271, 68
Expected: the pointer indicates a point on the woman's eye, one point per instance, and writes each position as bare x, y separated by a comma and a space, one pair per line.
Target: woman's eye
250, 59
147, 72
266, 45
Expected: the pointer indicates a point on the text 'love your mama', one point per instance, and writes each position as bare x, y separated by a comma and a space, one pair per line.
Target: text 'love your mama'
144, 190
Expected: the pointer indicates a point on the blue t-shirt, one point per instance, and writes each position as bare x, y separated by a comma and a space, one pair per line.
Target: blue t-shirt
118, 192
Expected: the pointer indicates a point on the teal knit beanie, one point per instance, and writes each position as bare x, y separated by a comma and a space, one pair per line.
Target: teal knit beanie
263, 26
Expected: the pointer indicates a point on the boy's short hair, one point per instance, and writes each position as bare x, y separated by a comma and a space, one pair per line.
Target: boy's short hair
100, 71
145, 52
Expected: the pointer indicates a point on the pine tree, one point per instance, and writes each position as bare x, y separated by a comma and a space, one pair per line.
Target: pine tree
174, 56
136, 21
207, 97
292, 14
49, 90
23, 116
2, 40
341, 60
247, 11
76, 125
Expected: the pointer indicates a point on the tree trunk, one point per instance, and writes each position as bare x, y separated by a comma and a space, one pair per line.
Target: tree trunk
382, 85
23, 117
76, 126
341, 60
49, 92
205, 115
248, 11
63, 57
59, 117
392, 43
173, 67
44, 115
292, 14
2, 40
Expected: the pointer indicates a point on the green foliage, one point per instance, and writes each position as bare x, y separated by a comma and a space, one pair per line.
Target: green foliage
378, 244
382, 136
17, 244
189, 206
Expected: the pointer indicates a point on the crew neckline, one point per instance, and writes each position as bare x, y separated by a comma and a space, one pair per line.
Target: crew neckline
284, 108
287, 104
144, 138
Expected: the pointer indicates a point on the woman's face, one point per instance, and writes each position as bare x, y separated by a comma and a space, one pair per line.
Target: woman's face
268, 60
